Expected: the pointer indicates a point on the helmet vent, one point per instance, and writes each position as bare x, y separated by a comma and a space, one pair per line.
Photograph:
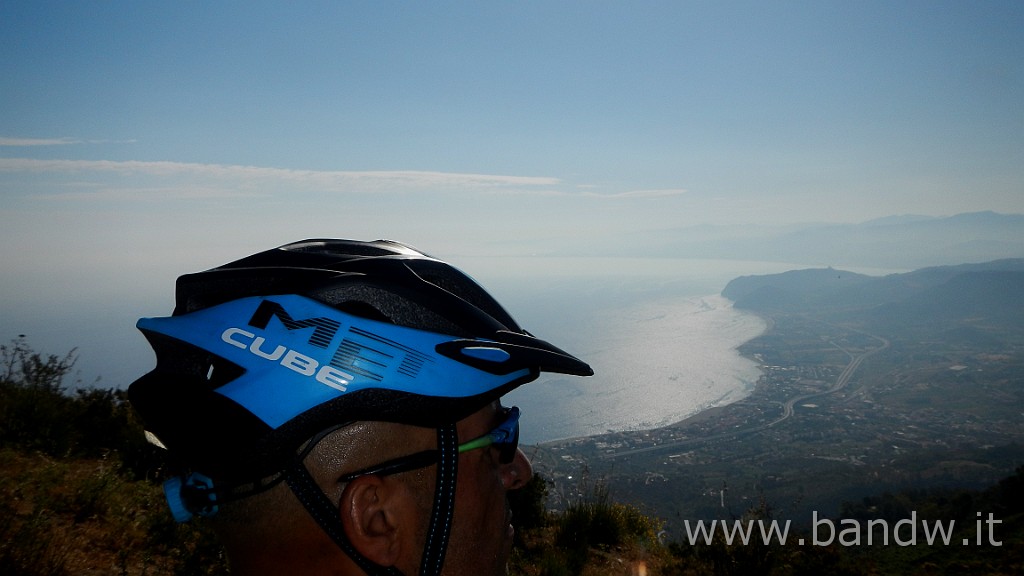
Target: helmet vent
332, 249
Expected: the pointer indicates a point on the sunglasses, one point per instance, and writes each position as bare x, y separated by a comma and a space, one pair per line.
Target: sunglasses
504, 437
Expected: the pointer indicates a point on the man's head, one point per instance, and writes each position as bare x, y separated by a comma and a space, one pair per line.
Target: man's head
349, 391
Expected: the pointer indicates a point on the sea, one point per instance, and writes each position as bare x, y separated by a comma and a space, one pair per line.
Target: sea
655, 363
661, 339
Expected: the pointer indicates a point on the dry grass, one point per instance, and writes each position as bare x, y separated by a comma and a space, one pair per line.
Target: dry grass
85, 517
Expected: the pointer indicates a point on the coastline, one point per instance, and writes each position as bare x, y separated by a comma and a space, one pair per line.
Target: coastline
735, 376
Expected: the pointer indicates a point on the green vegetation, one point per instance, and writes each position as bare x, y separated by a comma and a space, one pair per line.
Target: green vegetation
597, 536
79, 487
590, 533
80, 494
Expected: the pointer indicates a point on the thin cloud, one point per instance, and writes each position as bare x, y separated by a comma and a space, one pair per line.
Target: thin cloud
586, 192
111, 180
156, 194
21, 142
661, 193
323, 180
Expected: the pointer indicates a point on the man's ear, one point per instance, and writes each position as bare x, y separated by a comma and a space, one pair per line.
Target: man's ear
370, 511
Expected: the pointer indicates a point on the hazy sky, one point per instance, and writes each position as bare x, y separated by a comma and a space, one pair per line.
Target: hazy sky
141, 140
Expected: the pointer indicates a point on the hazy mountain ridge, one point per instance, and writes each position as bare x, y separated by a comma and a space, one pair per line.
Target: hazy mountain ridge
895, 242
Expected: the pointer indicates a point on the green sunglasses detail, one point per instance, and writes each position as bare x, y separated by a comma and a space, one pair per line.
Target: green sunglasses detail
504, 437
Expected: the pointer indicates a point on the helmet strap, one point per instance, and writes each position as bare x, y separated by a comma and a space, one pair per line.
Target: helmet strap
326, 515
325, 512
444, 502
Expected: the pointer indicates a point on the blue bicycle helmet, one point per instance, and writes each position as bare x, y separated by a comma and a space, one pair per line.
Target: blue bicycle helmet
263, 353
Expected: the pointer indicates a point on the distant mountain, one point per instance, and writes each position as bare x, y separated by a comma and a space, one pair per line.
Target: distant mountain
898, 219
985, 294
794, 289
896, 242
985, 297
903, 242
